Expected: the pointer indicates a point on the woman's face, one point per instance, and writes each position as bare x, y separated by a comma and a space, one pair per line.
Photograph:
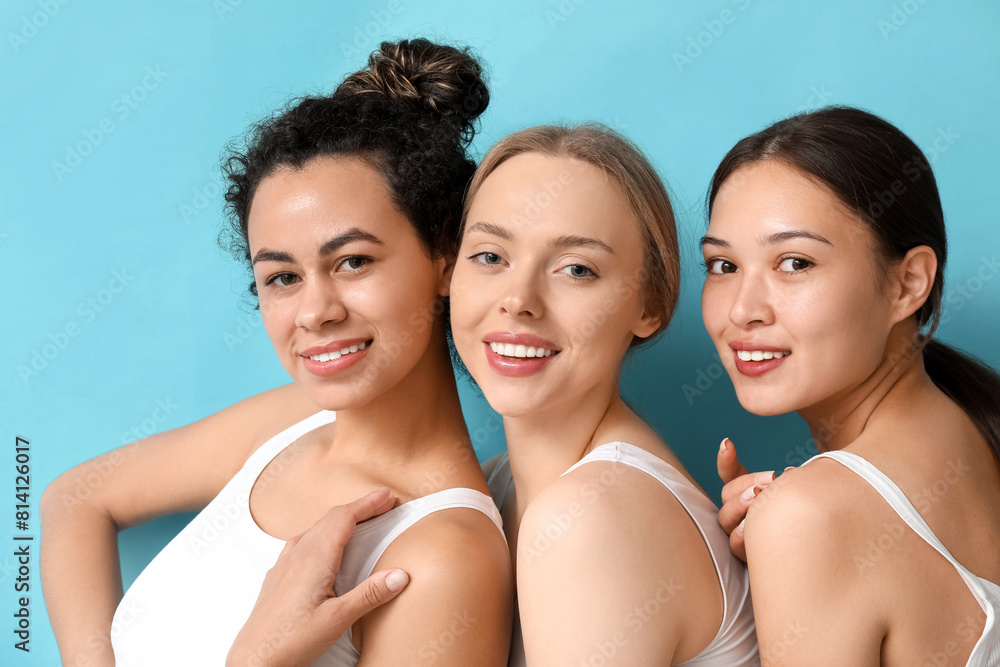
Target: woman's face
348, 293
544, 298
792, 299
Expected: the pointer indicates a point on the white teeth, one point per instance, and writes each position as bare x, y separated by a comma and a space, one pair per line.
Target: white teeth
520, 351
758, 355
331, 356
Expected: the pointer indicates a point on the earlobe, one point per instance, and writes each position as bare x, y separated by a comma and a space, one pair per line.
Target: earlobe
915, 275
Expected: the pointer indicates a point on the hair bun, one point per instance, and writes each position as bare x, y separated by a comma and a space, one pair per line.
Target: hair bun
416, 72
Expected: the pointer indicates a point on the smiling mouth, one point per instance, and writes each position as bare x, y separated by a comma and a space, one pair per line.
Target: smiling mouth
337, 354
521, 351
760, 355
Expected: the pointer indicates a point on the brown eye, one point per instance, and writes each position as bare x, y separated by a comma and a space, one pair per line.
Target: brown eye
794, 264
720, 266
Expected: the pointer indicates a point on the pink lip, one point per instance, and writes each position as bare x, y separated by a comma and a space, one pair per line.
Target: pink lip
528, 340
517, 367
334, 366
748, 345
757, 368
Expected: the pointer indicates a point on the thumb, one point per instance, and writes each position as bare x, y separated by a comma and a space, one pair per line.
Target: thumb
371, 593
728, 464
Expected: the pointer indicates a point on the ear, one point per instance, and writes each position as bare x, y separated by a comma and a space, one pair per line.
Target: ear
913, 280
646, 325
446, 266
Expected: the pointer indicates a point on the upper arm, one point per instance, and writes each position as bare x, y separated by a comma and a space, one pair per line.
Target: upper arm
595, 577
181, 469
810, 604
458, 606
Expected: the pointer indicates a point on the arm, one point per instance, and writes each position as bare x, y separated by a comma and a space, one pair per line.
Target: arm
613, 571
83, 509
458, 607
811, 605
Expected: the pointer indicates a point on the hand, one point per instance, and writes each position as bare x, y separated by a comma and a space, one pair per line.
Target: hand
297, 616
741, 487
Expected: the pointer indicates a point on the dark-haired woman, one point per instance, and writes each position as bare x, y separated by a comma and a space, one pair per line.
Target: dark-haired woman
821, 299
346, 208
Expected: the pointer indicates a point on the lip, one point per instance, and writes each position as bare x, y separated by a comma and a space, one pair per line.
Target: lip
756, 368
334, 366
517, 367
749, 345
526, 339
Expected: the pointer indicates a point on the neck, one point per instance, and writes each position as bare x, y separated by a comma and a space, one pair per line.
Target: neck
838, 421
544, 444
418, 416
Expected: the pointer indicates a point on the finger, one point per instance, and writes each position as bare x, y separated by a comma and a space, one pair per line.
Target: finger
325, 540
727, 463
373, 504
371, 593
734, 511
737, 544
737, 487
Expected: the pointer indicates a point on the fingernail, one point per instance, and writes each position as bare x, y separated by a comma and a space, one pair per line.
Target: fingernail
750, 493
739, 528
722, 447
763, 478
396, 580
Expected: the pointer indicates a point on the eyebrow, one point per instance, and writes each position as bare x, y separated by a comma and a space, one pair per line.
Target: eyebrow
565, 241
773, 239
328, 248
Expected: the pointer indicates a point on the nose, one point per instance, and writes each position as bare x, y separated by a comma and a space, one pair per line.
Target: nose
521, 297
753, 302
318, 304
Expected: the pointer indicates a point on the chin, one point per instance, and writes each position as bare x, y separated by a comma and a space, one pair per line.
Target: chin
764, 403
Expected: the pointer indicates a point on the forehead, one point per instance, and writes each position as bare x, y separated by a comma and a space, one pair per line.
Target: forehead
533, 193
324, 195
768, 197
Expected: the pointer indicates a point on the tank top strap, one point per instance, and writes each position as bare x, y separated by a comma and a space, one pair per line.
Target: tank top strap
384, 529
896, 499
264, 454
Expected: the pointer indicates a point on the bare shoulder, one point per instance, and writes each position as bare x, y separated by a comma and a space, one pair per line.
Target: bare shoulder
624, 534
806, 503
601, 496
461, 589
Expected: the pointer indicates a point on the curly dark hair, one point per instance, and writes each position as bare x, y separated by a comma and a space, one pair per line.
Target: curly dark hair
410, 115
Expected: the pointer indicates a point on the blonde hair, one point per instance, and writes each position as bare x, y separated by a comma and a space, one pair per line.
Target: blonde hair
660, 276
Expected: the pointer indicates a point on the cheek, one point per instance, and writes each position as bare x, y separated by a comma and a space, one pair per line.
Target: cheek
715, 306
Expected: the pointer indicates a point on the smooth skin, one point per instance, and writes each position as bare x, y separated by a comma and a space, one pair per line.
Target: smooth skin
837, 577
334, 260
593, 545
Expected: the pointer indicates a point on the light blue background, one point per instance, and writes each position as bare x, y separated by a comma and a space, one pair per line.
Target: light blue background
145, 202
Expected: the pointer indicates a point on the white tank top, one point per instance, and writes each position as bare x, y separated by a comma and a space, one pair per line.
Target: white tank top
986, 652
188, 605
735, 644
